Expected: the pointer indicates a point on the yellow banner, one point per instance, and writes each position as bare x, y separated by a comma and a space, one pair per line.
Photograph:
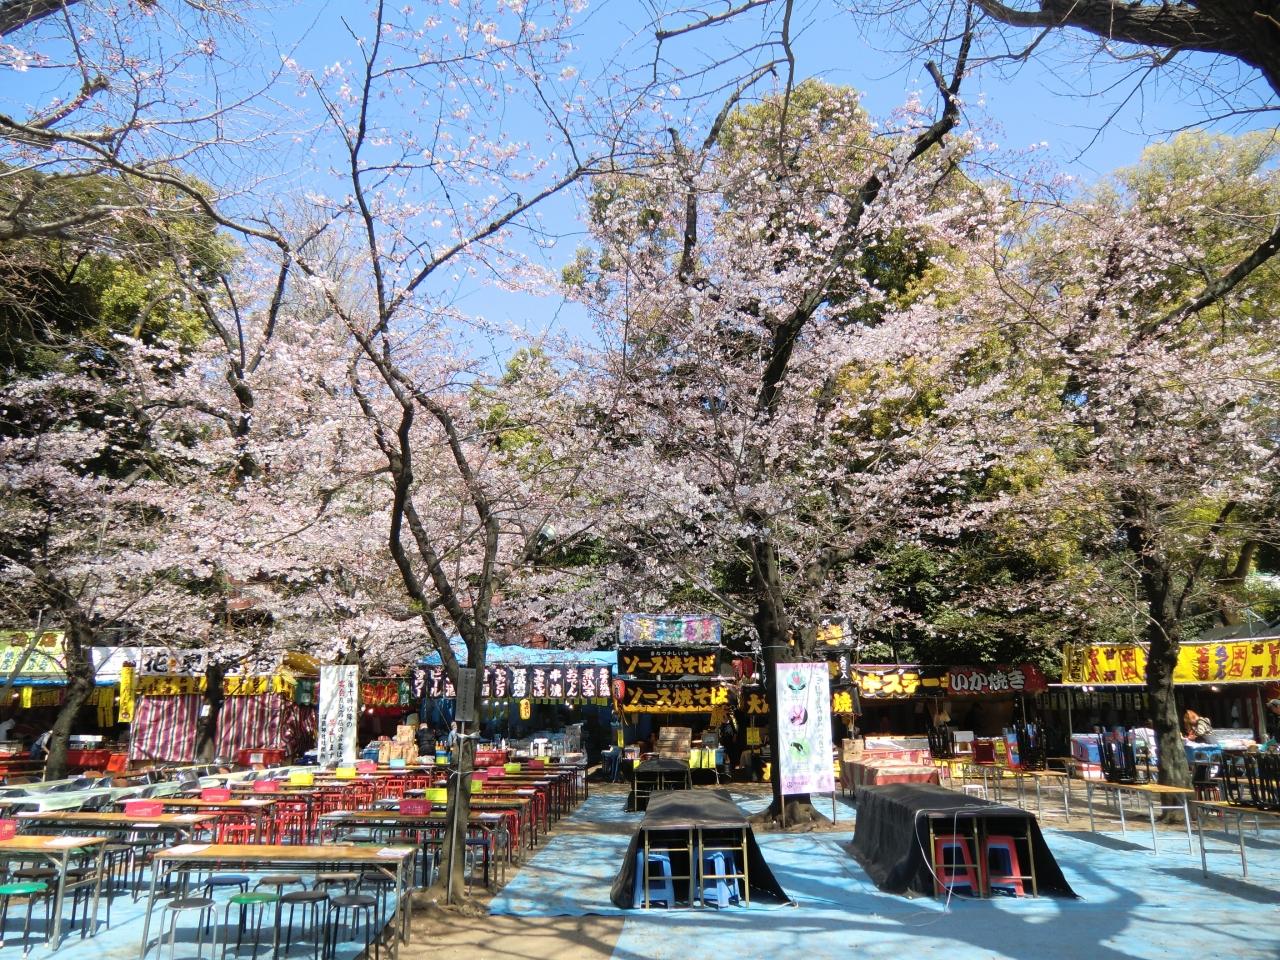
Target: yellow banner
1228, 661
232, 686
106, 707
128, 692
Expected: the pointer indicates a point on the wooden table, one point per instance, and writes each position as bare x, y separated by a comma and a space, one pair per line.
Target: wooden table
394, 862
177, 823
57, 851
258, 808
436, 820
1223, 809
1151, 792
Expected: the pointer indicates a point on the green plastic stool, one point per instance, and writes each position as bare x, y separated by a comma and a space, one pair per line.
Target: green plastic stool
257, 900
29, 889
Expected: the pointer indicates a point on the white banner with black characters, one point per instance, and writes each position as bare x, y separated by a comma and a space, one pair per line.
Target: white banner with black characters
804, 726
339, 708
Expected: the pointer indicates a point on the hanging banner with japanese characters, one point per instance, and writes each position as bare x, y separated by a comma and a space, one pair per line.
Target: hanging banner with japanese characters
642, 696
651, 630
128, 693
804, 728
668, 662
874, 682
573, 681
339, 711
1227, 661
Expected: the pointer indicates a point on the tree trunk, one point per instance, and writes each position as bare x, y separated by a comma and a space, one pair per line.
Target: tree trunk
452, 881
1162, 655
207, 736
80, 676
771, 624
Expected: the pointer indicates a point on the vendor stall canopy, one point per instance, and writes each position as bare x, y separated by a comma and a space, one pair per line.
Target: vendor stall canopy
518, 673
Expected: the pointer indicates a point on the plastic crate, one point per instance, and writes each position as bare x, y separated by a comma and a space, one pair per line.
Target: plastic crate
300, 778
266, 786
215, 794
366, 766
8, 829
416, 808
143, 808
345, 773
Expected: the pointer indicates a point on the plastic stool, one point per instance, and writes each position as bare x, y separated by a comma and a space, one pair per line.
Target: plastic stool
310, 901
205, 906
238, 880
29, 889
974, 790
1004, 872
666, 889
952, 872
278, 880
716, 889
359, 908
247, 902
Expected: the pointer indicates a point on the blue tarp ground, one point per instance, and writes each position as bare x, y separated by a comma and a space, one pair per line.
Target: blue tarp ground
122, 939
1135, 904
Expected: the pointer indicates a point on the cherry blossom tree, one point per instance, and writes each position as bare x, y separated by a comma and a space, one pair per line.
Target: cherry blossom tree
1149, 332
780, 311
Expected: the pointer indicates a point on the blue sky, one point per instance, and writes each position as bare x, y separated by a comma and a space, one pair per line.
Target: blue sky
1059, 100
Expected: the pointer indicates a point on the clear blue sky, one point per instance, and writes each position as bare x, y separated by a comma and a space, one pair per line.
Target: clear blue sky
1046, 101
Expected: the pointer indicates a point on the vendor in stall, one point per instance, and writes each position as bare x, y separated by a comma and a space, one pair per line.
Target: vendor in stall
1196, 727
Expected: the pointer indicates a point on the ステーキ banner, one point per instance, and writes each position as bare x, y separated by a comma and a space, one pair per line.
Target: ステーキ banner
339, 711
804, 727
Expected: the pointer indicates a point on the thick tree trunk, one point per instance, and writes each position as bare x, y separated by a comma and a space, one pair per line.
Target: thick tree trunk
80, 676
772, 628
451, 879
1162, 655
207, 736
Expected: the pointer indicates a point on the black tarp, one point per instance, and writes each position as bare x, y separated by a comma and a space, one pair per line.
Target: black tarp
660, 773
693, 810
891, 834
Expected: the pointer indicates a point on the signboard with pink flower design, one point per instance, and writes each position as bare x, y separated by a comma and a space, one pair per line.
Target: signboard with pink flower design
804, 728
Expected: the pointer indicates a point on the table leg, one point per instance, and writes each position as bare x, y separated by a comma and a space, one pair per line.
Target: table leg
1204, 861
1088, 792
97, 884
61, 867
1186, 818
1244, 865
1119, 795
1151, 812
151, 902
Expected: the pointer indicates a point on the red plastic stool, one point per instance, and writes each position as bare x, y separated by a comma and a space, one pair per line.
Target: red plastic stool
1004, 870
953, 865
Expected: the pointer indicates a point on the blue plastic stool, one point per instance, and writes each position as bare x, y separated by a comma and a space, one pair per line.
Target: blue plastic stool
718, 892
666, 892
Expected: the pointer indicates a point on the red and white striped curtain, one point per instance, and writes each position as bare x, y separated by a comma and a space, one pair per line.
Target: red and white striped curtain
269, 720
164, 728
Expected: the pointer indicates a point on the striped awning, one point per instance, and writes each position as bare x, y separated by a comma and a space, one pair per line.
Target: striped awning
164, 728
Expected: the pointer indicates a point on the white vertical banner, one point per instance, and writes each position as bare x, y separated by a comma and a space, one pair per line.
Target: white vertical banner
339, 710
804, 727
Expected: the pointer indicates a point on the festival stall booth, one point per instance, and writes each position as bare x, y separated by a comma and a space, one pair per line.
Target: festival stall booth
1102, 696
261, 721
533, 702
962, 713
672, 697
36, 663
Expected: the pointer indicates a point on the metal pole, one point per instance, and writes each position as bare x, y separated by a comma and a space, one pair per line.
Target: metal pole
453, 812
